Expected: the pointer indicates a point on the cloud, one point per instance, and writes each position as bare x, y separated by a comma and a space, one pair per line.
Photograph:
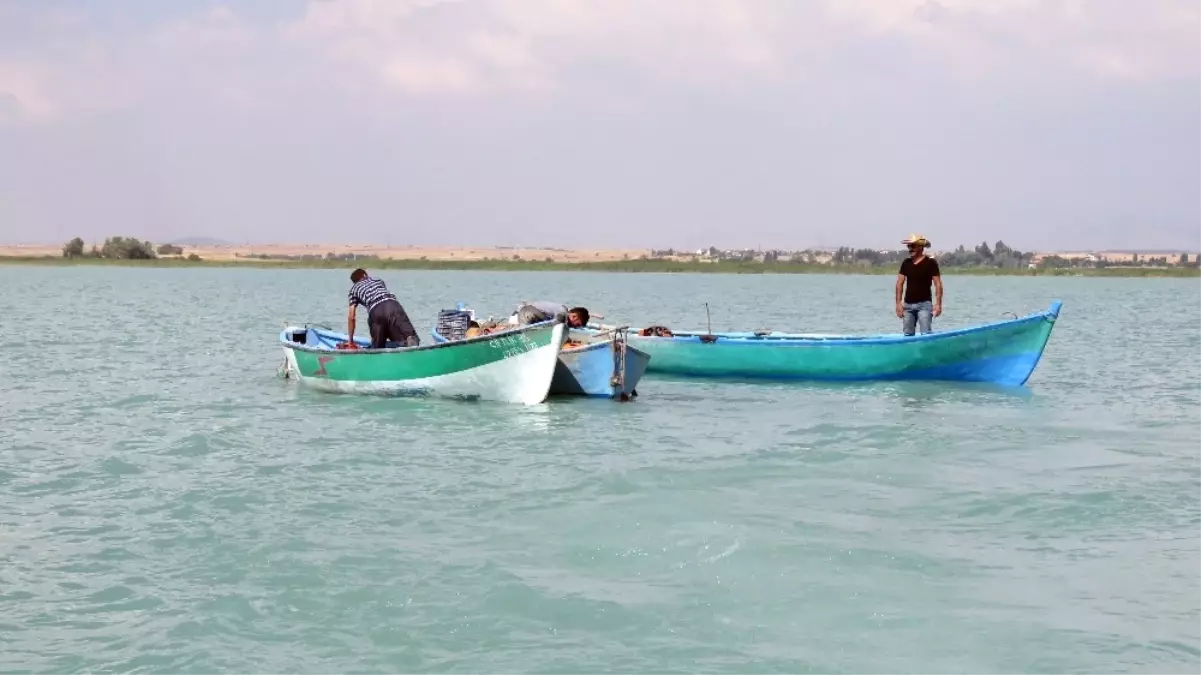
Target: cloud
24, 95
66, 73
718, 117
453, 48
448, 47
472, 48
996, 41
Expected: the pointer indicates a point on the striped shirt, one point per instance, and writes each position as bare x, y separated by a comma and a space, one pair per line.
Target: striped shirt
368, 292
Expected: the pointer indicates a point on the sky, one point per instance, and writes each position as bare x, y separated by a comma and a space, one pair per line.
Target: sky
1049, 124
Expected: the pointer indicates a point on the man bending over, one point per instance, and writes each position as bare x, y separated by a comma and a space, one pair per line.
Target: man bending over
536, 312
386, 318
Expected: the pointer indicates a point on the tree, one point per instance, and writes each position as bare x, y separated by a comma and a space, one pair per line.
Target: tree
169, 249
1054, 262
1183, 259
127, 248
73, 248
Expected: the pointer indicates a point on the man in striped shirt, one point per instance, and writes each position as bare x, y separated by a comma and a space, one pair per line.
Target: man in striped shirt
386, 318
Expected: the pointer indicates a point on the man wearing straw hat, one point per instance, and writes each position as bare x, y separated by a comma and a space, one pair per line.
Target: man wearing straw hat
916, 275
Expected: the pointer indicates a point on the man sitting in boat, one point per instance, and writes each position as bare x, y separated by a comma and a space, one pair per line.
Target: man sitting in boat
386, 318
917, 273
535, 312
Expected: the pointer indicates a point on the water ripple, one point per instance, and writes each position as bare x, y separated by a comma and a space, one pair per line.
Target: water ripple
172, 506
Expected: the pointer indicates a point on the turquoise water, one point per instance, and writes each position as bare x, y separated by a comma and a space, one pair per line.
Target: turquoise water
168, 504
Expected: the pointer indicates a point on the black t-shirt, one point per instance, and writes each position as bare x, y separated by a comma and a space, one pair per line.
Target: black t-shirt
918, 279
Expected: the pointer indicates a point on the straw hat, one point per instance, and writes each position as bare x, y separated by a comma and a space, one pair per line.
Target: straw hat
916, 239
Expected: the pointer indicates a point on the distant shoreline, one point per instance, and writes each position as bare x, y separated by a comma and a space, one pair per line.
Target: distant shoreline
634, 266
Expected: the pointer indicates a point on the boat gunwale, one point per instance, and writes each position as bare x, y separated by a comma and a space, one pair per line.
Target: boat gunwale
288, 344
592, 346
1049, 315
565, 351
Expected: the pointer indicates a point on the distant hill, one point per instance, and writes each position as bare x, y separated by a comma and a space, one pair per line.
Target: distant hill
199, 241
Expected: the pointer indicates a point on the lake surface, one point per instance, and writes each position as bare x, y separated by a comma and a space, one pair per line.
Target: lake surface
168, 504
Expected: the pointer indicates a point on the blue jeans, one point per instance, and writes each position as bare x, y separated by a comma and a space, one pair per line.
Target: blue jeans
918, 313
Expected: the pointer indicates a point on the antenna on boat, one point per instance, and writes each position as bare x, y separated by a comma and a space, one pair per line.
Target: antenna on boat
708, 337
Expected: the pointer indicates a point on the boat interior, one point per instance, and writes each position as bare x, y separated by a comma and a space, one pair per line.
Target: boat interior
324, 338
766, 335
453, 324
580, 340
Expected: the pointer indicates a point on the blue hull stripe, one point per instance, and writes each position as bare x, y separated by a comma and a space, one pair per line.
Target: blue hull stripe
1013, 371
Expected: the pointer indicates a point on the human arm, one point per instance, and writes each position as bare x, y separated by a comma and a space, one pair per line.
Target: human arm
900, 289
937, 289
351, 317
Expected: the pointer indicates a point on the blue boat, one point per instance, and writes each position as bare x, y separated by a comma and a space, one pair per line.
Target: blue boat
1004, 353
598, 363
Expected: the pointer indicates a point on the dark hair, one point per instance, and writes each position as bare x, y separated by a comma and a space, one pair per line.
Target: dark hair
584, 315
357, 275
474, 324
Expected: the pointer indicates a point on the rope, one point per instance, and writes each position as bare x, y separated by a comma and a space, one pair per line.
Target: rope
618, 381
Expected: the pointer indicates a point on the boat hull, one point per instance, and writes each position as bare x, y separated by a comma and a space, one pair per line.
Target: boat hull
514, 366
589, 371
1003, 353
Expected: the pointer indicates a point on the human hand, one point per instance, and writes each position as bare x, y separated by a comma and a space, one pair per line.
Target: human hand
938, 310
900, 312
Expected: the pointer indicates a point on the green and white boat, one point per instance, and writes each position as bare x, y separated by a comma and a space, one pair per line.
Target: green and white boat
514, 366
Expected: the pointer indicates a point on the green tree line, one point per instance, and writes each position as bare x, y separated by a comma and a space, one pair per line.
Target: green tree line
122, 248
